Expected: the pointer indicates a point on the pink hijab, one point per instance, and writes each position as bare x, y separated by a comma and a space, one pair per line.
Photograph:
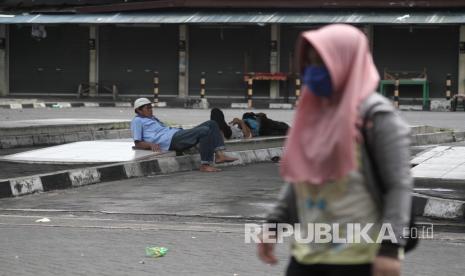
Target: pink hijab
322, 141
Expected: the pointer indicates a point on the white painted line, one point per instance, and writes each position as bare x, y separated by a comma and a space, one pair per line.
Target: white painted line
239, 105
122, 104
64, 105
16, 106
84, 177
91, 104
280, 106
442, 208
27, 185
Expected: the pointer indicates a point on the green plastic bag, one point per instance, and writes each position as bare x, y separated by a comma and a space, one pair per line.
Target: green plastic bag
155, 251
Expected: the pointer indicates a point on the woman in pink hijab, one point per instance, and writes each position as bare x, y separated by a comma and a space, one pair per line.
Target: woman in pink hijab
346, 161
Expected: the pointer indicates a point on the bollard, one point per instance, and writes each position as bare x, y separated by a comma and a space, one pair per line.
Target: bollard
155, 87
297, 90
448, 85
202, 85
249, 91
396, 92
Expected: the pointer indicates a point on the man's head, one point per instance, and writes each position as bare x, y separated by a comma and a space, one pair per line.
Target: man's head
143, 107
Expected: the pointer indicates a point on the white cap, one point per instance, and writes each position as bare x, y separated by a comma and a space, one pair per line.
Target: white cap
140, 102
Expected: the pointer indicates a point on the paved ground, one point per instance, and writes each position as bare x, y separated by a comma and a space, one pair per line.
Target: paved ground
193, 116
102, 250
239, 192
103, 229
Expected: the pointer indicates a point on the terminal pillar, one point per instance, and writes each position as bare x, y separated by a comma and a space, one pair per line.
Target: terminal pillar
448, 85
396, 92
368, 30
93, 61
4, 67
298, 87
183, 72
274, 59
461, 74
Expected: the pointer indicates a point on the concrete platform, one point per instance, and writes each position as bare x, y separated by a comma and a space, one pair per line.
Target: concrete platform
104, 151
443, 163
119, 150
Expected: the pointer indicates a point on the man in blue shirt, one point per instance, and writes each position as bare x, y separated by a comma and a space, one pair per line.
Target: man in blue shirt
150, 133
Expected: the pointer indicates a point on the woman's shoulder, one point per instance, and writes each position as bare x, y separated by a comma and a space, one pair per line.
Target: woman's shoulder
391, 121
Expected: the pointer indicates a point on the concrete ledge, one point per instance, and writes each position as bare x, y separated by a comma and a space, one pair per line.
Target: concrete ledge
93, 175
64, 105
29, 134
423, 129
433, 138
428, 182
407, 107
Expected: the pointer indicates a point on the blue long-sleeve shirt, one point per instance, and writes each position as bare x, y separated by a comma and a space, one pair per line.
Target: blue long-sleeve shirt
152, 130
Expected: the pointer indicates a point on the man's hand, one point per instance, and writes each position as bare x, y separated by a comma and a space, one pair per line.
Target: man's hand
266, 254
235, 121
155, 147
147, 146
385, 266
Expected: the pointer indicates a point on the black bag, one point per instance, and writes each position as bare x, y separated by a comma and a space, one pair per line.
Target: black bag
412, 242
268, 127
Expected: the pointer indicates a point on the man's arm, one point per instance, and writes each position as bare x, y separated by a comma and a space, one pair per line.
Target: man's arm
147, 146
137, 134
245, 129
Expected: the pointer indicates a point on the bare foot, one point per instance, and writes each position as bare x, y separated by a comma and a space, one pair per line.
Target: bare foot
208, 168
224, 159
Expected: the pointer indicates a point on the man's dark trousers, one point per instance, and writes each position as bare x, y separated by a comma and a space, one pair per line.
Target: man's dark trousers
207, 135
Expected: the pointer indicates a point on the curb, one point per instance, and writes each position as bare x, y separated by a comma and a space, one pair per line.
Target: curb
437, 138
119, 171
434, 207
64, 105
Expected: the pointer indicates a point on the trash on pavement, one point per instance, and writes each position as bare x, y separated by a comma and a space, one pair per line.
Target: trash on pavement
43, 220
156, 251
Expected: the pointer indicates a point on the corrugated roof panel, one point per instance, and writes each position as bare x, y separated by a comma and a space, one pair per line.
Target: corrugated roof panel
288, 17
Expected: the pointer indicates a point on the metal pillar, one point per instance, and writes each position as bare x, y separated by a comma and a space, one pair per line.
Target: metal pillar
250, 92
156, 82
183, 73
368, 30
461, 73
274, 59
93, 61
4, 66
297, 89
202, 85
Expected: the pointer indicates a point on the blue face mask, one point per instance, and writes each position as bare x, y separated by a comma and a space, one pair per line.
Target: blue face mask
318, 80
